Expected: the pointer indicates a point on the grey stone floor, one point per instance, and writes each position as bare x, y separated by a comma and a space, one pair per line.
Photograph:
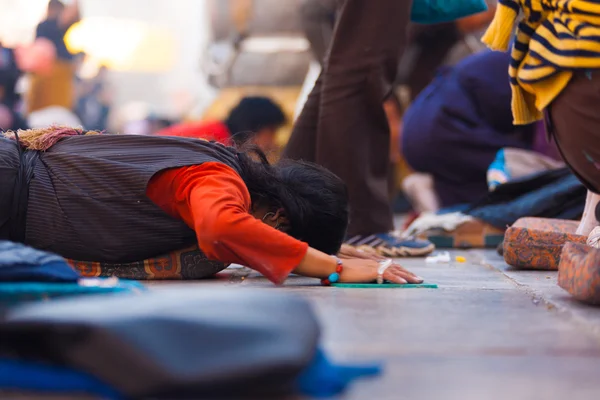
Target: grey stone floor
487, 333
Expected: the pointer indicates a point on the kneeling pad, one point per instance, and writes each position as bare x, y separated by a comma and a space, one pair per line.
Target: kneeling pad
16, 293
579, 272
536, 243
187, 264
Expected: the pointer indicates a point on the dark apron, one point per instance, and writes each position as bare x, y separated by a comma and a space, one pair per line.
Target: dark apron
16, 172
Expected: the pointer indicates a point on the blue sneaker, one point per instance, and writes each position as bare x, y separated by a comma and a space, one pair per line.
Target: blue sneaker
387, 245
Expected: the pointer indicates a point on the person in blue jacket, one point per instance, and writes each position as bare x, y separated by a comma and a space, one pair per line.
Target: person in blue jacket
455, 127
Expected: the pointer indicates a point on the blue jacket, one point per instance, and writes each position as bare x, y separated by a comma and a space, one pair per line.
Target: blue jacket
455, 127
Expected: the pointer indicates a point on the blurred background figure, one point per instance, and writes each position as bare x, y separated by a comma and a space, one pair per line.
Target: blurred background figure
254, 119
94, 101
6, 118
9, 75
53, 86
318, 20
9, 98
456, 126
158, 123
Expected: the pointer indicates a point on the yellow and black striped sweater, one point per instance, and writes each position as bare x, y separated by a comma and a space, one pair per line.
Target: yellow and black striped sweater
554, 39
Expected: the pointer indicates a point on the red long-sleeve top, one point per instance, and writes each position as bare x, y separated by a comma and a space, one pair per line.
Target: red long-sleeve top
212, 199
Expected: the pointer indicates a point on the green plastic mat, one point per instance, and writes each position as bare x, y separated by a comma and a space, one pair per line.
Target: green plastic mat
386, 286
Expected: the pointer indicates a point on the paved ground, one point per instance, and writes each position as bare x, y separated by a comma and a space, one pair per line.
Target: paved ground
487, 333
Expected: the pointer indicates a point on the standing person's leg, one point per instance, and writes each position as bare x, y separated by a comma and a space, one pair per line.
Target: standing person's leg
589, 219
302, 144
318, 20
303, 141
574, 124
353, 134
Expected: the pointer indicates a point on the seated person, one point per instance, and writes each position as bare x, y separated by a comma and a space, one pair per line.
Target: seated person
123, 198
254, 119
457, 125
55, 88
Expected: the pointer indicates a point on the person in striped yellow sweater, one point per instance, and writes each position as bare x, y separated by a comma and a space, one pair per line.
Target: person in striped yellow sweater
555, 74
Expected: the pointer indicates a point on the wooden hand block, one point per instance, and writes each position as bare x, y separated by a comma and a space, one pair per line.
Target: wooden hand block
579, 272
536, 243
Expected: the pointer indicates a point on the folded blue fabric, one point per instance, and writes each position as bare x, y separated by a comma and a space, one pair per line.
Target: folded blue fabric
438, 11
324, 379
498, 171
20, 263
320, 379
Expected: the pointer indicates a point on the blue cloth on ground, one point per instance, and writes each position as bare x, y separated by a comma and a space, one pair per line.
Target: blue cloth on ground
437, 11
324, 379
320, 379
14, 293
20, 263
27, 274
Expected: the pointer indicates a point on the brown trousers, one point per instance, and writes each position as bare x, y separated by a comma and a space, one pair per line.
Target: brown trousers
318, 20
343, 126
573, 120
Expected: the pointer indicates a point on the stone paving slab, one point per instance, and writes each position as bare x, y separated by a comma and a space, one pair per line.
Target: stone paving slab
543, 287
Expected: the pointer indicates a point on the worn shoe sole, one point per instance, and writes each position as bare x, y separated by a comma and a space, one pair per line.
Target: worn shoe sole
378, 246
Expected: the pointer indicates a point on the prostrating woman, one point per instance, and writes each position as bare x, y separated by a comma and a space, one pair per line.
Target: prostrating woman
125, 198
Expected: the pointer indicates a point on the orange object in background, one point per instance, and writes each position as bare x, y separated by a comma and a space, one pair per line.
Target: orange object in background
476, 22
208, 130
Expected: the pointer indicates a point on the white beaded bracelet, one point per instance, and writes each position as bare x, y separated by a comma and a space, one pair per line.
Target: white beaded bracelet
383, 266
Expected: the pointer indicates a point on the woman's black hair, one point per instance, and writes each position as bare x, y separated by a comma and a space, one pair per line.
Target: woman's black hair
314, 199
251, 115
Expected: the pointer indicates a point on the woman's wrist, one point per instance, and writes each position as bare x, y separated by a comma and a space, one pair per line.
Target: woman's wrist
335, 276
316, 264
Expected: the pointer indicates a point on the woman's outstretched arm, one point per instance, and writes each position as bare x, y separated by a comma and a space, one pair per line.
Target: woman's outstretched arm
212, 199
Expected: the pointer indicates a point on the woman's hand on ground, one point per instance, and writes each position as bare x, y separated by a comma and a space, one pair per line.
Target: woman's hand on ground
360, 269
365, 271
348, 251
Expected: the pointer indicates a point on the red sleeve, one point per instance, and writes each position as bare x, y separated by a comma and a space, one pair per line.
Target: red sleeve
213, 200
